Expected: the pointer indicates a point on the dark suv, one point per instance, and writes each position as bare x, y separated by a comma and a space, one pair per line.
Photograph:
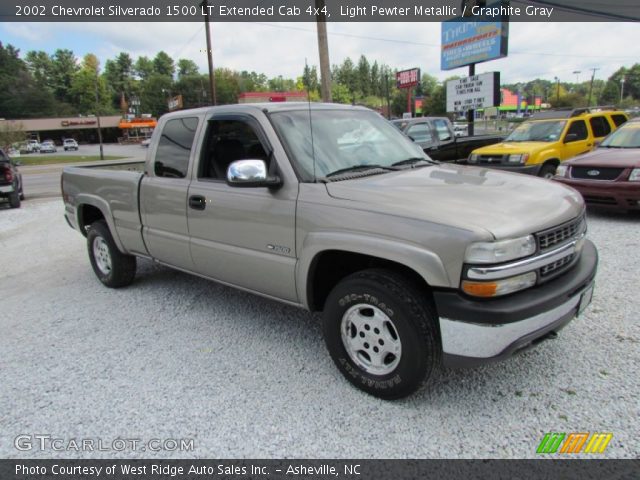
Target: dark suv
10, 181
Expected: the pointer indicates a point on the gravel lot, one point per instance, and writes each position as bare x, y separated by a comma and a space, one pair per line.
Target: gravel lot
177, 357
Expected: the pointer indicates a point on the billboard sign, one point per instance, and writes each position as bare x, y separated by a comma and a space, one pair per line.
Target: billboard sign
464, 43
408, 78
473, 93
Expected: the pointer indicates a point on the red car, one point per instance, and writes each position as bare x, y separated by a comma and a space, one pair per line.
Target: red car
609, 176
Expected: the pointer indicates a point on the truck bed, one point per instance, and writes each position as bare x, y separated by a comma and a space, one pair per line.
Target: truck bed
112, 188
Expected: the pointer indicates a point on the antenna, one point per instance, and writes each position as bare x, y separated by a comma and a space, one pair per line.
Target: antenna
306, 86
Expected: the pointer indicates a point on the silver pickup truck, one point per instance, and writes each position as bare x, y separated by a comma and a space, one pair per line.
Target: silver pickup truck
413, 263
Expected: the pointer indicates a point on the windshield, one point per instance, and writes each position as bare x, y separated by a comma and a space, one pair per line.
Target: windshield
627, 136
342, 139
537, 131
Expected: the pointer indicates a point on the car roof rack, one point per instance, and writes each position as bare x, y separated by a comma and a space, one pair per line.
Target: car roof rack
570, 112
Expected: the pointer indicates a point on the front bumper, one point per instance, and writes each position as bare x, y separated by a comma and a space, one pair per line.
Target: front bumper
619, 195
527, 169
481, 331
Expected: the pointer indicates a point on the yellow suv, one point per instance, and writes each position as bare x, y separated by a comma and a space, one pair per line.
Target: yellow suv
538, 145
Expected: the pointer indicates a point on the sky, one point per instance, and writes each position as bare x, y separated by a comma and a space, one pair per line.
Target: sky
536, 50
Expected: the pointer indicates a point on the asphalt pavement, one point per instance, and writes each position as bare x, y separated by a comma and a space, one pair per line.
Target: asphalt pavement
43, 181
178, 358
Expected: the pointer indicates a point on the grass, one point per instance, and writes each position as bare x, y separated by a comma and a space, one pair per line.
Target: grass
46, 159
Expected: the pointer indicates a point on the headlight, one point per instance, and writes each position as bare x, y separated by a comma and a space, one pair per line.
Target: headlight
634, 176
502, 251
499, 287
473, 158
519, 159
561, 171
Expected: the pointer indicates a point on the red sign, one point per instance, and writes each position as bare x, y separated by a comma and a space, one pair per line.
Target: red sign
408, 78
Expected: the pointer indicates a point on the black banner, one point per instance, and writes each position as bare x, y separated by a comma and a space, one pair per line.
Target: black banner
318, 469
311, 10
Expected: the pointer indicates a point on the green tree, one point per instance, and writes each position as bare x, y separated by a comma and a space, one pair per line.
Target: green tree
155, 93
363, 76
610, 93
143, 67
63, 68
163, 64
86, 84
40, 66
187, 67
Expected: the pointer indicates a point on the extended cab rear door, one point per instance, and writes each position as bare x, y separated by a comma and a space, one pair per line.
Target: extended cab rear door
243, 236
164, 188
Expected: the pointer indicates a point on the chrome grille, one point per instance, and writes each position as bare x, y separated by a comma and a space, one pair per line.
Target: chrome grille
492, 159
555, 266
561, 234
596, 173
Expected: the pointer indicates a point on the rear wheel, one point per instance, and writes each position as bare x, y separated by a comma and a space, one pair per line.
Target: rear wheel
14, 200
548, 170
382, 333
112, 267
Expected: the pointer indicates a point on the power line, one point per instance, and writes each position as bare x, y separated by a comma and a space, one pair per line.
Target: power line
431, 45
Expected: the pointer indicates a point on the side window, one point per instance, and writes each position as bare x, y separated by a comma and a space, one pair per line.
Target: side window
228, 141
174, 147
442, 129
618, 119
420, 132
600, 126
578, 128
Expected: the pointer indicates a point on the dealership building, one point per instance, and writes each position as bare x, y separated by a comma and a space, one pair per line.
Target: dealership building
114, 128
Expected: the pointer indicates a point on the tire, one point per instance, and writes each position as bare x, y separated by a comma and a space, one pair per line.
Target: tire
403, 324
548, 170
14, 200
112, 267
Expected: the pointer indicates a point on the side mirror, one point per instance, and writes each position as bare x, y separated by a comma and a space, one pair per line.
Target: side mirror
250, 173
570, 137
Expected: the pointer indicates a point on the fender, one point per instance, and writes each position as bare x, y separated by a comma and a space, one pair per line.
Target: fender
428, 267
103, 206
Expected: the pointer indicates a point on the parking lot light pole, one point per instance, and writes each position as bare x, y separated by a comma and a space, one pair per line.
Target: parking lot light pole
98, 117
212, 76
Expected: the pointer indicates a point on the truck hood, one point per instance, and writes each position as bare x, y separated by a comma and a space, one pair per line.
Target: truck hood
506, 148
609, 157
478, 199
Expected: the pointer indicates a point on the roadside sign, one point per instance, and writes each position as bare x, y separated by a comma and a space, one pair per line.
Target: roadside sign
408, 78
472, 93
466, 43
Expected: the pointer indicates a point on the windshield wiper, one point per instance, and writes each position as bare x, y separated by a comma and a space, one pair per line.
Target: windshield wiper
354, 168
412, 161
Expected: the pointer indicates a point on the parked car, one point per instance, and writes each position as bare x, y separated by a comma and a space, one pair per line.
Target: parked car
537, 146
32, 146
48, 147
438, 138
10, 181
413, 262
610, 175
70, 144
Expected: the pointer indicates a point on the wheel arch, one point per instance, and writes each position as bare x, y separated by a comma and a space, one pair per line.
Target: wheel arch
91, 209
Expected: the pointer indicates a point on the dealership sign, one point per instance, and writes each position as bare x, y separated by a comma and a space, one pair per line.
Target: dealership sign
465, 43
408, 78
472, 93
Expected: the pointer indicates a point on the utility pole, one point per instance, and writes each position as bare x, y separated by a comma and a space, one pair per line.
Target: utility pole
386, 86
98, 117
593, 76
557, 90
323, 48
212, 78
621, 89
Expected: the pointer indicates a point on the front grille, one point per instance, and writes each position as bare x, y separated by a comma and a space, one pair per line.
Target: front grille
596, 173
492, 159
561, 234
597, 200
555, 266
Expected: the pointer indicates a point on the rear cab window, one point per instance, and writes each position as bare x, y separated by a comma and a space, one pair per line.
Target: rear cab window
600, 126
618, 119
174, 147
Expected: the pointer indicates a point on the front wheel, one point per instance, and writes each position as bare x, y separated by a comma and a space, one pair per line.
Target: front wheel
112, 267
382, 333
547, 171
